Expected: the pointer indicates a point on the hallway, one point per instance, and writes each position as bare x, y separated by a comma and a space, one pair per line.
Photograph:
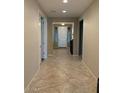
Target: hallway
62, 73
61, 42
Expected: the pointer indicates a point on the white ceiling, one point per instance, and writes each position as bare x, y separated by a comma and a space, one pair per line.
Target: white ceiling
74, 8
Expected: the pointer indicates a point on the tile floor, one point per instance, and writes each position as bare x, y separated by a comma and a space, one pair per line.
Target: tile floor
62, 73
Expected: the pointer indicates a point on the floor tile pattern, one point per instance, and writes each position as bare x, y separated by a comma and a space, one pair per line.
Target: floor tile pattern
62, 73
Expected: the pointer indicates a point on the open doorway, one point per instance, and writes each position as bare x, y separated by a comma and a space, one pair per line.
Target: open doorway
43, 38
63, 35
60, 37
81, 38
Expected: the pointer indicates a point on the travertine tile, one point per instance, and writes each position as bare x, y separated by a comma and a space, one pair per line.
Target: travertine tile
62, 73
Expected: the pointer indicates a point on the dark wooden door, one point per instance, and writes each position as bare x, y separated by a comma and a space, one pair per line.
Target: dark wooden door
81, 38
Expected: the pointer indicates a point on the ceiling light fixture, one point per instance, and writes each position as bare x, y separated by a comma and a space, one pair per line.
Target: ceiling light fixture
62, 24
65, 1
63, 11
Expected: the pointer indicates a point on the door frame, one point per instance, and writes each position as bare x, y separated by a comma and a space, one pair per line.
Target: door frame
73, 31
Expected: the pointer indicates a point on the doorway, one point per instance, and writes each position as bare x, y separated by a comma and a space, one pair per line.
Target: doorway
63, 39
80, 38
62, 36
43, 38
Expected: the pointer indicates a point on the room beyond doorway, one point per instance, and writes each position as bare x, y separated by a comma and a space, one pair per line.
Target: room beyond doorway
63, 35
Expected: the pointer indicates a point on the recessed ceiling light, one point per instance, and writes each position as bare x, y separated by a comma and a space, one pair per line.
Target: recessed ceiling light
64, 11
65, 1
62, 24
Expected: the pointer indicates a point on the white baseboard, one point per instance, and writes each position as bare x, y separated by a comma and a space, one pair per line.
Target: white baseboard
32, 79
90, 71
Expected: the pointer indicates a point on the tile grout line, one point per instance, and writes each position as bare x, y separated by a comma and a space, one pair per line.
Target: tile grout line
32, 79
90, 71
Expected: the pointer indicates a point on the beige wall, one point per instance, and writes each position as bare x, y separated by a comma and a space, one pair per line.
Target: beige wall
31, 39
50, 40
91, 37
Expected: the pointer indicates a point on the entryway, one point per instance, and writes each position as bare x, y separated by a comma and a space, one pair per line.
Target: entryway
43, 38
81, 38
63, 35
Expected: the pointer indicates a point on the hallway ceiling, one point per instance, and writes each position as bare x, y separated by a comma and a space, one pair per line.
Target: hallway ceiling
74, 8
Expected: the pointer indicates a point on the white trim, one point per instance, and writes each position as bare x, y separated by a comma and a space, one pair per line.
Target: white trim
90, 71
32, 79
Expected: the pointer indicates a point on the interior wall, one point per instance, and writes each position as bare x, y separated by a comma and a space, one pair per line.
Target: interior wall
32, 39
91, 37
50, 38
